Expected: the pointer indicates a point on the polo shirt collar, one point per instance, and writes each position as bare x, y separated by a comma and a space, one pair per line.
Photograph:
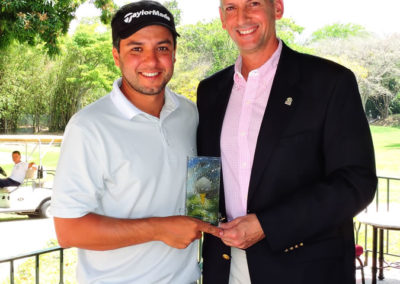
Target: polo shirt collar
129, 110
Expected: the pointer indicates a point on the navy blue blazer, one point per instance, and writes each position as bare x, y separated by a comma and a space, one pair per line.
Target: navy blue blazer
313, 170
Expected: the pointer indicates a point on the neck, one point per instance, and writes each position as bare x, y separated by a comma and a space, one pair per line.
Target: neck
254, 60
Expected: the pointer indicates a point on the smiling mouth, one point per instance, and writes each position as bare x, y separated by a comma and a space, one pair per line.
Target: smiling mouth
150, 75
246, 32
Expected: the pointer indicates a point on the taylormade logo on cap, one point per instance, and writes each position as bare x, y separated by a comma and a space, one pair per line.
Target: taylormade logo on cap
130, 16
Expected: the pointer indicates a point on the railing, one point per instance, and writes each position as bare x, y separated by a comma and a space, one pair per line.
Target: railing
36, 254
377, 195
382, 203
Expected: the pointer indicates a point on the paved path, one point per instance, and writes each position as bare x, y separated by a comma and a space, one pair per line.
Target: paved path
26, 235
23, 236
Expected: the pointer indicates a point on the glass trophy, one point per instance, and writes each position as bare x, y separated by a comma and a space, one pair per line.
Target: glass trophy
202, 188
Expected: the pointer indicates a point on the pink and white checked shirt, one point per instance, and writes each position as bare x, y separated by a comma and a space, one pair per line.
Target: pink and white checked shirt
240, 129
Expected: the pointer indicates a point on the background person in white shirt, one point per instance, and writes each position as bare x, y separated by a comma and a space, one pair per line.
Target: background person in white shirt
120, 182
18, 172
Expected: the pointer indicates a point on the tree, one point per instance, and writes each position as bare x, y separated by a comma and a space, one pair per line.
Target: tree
42, 20
172, 6
203, 49
25, 85
288, 31
339, 31
206, 48
379, 61
86, 72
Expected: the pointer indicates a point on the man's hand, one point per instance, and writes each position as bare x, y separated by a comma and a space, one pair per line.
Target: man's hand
32, 165
180, 231
243, 232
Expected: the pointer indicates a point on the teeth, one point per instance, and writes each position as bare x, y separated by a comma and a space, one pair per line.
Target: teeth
246, 32
150, 74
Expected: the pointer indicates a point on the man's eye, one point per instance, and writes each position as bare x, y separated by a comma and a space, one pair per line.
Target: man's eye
136, 49
229, 8
163, 48
254, 3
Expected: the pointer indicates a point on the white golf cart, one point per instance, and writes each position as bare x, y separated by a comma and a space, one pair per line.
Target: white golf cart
33, 196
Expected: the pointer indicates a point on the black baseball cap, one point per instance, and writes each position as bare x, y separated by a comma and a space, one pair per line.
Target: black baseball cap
134, 16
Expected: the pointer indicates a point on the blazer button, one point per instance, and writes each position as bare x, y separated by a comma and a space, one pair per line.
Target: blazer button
296, 246
291, 248
226, 257
301, 244
286, 250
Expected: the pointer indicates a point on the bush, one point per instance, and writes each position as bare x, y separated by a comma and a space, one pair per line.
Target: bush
395, 105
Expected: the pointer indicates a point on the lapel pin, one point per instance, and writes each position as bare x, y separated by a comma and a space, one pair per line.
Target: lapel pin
289, 101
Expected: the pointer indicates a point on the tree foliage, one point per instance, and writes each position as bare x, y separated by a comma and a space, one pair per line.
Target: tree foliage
46, 91
44, 21
205, 48
25, 84
85, 73
377, 66
338, 31
172, 6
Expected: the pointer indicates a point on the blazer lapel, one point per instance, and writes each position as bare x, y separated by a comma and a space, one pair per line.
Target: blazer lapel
281, 105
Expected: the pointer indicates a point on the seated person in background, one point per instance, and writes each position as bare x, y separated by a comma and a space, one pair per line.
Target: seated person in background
18, 173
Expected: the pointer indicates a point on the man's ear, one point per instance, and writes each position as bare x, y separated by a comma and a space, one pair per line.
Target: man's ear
221, 16
115, 54
279, 8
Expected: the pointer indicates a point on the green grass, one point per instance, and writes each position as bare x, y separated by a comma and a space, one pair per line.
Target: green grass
12, 217
49, 267
387, 150
387, 156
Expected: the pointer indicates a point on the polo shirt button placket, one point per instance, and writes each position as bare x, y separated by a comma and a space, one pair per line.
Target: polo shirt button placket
162, 133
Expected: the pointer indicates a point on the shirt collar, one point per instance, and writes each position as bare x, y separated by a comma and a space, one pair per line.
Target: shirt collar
263, 70
129, 110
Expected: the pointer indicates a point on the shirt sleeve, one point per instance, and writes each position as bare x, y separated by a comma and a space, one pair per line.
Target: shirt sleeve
78, 181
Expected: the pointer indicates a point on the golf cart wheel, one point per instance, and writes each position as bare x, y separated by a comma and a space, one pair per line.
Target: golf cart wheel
44, 211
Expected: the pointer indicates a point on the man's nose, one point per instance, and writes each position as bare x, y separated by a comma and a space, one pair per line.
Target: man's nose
242, 16
151, 57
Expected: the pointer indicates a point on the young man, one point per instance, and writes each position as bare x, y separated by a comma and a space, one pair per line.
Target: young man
18, 172
297, 158
120, 182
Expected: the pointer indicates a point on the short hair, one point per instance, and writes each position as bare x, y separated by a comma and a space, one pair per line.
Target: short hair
16, 152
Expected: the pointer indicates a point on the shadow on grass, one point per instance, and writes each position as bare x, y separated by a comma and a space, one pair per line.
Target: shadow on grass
397, 145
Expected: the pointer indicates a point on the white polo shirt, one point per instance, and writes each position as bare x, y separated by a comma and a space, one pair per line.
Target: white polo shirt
120, 162
18, 172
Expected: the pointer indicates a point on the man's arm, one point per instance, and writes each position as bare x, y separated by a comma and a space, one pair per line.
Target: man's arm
96, 232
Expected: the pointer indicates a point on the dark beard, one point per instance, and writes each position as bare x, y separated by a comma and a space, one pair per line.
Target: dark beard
149, 91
